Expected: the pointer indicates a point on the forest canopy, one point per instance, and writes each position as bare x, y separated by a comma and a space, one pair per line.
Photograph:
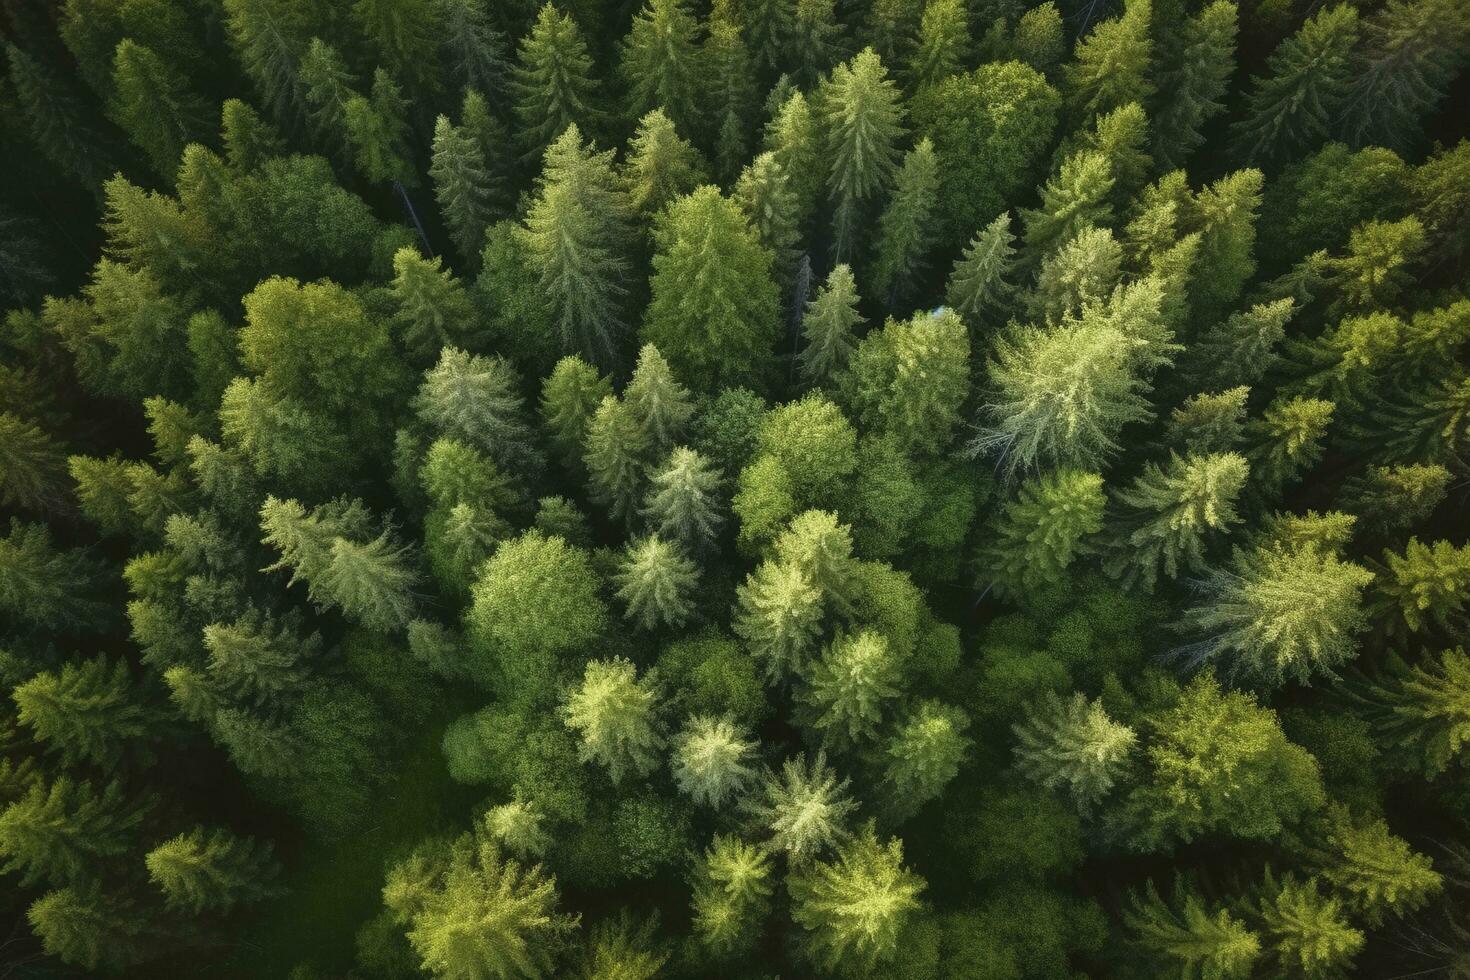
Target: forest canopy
912, 489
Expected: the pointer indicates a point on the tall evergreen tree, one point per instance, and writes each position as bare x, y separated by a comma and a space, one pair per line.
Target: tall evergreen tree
1192, 89
977, 284
906, 228
712, 761
554, 83
1111, 64
56, 833
1073, 744
805, 806
616, 457
462, 186
828, 326
1189, 935
848, 686
684, 502
1038, 535
731, 893
86, 712
943, 45
661, 166
863, 119
658, 401
213, 870
614, 713
1309, 931
657, 583
778, 615
155, 105
661, 64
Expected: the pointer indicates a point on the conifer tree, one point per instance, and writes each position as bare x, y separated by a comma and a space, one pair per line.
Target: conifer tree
1426, 585
270, 39
1281, 615
661, 405
1424, 708
864, 122
616, 457
153, 102
815, 40
731, 893
855, 907
257, 656
1074, 745
1193, 87
377, 128
943, 43
1287, 441
1075, 198
433, 306
923, 756
214, 871
462, 187
404, 36
1389, 498
911, 379
1308, 77
56, 833
1038, 534
794, 138
248, 139
477, 400
1212, 423
778, 615
1111, 64
1411, 51
328, 86
804, 806
42, 584
1189, 935
828, 327
765, 194
661, 63
58, 120
847, 687
1378, 872
977, 284
684, 502
472, 51
86, 712
614, 714
722, 331
730, 87
569, 398
1123, 137
1038, 39
579, 235
662, 165
554, 85
821, 548
769, 25
906, 228
517, 825
1084, 270
1169, 511
712, 761
657, 583
32, 465
82, 925
1309, 931
1243, 349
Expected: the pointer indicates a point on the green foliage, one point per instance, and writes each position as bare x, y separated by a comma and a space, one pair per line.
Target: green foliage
1040, 532
863, 119
656, 582
924, 756
1110, 66
214, 870
1073, 744
614, 714
804, 806
1190, 935
85, 713
731, 893
1308, 930
660, 60
712, 761
554, 85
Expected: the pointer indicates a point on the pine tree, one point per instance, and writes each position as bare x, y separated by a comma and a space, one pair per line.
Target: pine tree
1377, 267
683, 503
372, 582
657, 584
433, 306
943, 43
794, 138
1039, 533
270, 39
977, 284
579, 235
1391, 498
864, 122
714, 308
41, 584
778, 615
910, 380
32, 465
661, 405
1194, 86
58, 833
329, 86
554, 85
86, 712
815, 40
906, 228
214, 871
765, 195
84, 926
257, 656
712, 761
730, 87
1111, 64
616, 457
569, 399
1079, 272
661, 166
828, 327
1078, 196
1243, 349
1123, 137
154, 104
1187, 934
923, 756
1167, 512
58, 120
804, 806
1074, 745
614, 714
820, 547
662, 65
1287, 441
1424, 709
517, 825
248, 139
769, 25
731, 893
848, 686
855, 907
462, 187
377, 127
1378, 872
470, 912
473, 52
1412, 50
1308, 76
477, 400
1209, 423
1281, 615
1309, 932
1426, 585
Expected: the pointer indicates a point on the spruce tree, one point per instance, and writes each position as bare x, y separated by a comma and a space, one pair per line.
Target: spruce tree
477, 400
977, 284
404, 36
906, 227
517, 825
1279, 615
943, 45
462, 188
257, 656
329, 86
554, 85
1243, 349
1111, 64
471, 50
661, 166
1389, 498
684, 501
616, 457
613, 713
1308, 78
1287, 441
828, 327
712, 761
657, 584
569, 398
1188, 935
86, 712
153, 102
1192, 88
1206, 424
1074, 745
1308, 931
805, 806
731, 893
661, 63
794, 138
864, 122
820, 547
1038, 534
848, 686
32, 465
1378, 872
1075, 198
82, 925
377, 127
270, 39
661, 405
729, 86
1426, 586
855, 907
815, 40
57, 833
923, 755
371, 581
1423, 709
213, 871
765, 194
433, 307
1168, 511
1082, 271
778, 615
58, 119
910, 380
41, 584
